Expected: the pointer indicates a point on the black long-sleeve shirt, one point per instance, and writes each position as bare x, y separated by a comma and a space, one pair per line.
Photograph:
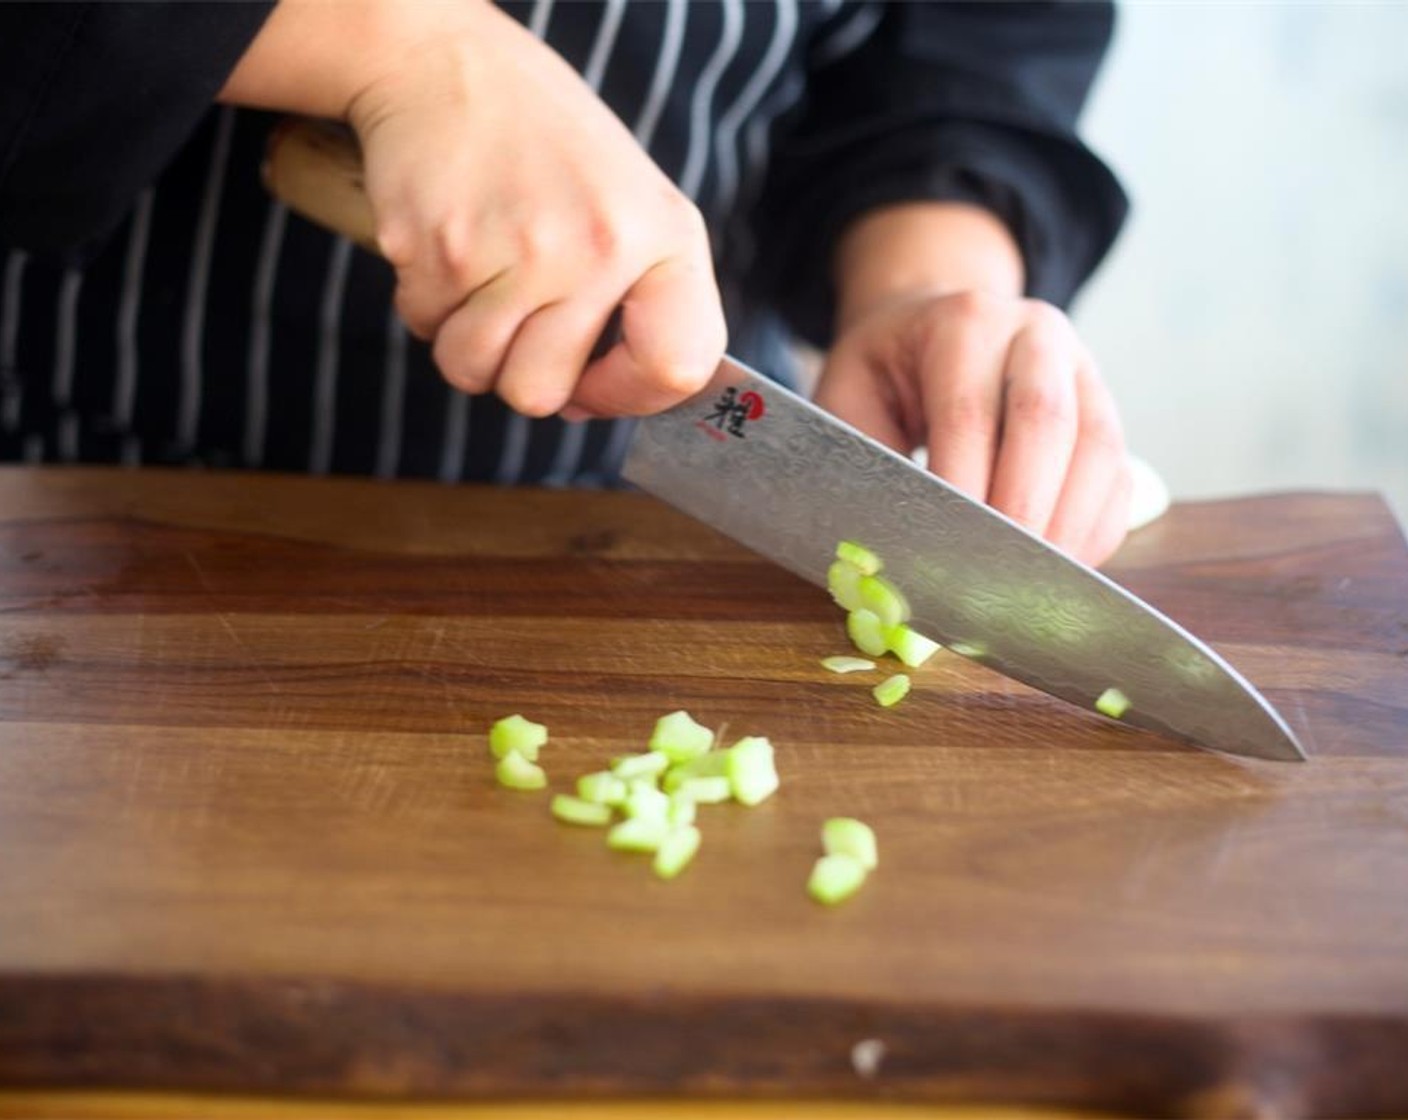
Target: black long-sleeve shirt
157, 306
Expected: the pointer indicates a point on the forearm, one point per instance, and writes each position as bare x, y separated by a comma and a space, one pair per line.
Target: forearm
930, 248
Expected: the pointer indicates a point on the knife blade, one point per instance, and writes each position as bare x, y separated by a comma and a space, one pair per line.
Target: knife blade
789, 481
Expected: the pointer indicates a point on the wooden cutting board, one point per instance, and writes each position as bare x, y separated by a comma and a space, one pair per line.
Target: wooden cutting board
250, 840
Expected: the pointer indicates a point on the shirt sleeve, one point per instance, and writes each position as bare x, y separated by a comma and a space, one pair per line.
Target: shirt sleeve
95, 99
973, 102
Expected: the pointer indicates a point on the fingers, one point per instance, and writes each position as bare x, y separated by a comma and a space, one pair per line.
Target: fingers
1091, 515
1016, 414
471, 344
854, 386
1112, 526
672, 338
1039, 422
961, 366
440, 275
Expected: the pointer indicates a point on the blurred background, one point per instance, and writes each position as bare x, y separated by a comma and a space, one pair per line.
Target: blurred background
1253, 320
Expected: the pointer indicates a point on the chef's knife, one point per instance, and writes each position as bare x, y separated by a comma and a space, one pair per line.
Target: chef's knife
789, 481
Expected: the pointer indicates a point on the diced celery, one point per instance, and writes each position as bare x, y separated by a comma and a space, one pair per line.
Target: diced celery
846, 836
883, 599
644, 800
706, 791
858, 556
711, 765
649, 764
1113, 703
682, 810
679, 737
910, 646
843, 581
638, 834
514, 733
835, 878
601, 788
574, 810
676, 850
866, 632
846, 664
891, 690
518, 772
752, 771
969, 649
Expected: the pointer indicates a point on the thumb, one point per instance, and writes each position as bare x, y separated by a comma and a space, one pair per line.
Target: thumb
672, 339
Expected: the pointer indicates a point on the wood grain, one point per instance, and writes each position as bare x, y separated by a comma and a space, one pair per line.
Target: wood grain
249, 839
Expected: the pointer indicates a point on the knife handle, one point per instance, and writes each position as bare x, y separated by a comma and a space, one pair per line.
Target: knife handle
315, 168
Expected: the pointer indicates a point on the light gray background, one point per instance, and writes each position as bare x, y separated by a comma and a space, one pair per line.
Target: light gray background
1253, 320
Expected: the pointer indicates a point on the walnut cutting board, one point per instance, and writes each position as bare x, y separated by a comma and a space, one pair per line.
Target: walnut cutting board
249, 837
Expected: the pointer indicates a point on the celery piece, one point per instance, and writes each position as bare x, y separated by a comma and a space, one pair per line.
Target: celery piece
752, 771
574, 810
843, 581
644, 800
858, 556
1113, 703
518, 772
891, 690
676, 850
969, 649
910, 646
846, 664
682, 810
714, 764
706, 791
638, 834
846, 836
883, 599
514, 733
601, 788
647, 765
866, 632
679, 737
835, 878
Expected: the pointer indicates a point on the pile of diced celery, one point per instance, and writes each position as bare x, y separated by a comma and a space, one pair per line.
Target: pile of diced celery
657, 792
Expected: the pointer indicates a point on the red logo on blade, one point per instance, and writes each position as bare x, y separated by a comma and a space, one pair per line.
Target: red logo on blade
752, 403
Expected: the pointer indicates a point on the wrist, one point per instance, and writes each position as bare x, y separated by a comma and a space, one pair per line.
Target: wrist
317, 57
923, 249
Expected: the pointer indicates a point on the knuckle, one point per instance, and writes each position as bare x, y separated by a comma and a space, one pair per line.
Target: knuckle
1105, 436
1042, 405
540, 242
974, 308
608, 237
966, 414
454, 254
1047, 319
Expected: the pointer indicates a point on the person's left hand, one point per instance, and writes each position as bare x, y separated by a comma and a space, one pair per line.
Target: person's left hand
1006, 399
